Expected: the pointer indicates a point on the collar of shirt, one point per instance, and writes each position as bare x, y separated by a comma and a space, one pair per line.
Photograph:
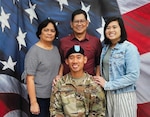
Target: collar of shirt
86, 37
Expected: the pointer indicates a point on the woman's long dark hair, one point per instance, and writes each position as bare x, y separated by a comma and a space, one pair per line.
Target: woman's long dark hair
122, 27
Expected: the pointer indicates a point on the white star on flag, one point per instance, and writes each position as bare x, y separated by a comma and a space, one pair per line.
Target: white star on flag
20, 38
100, 30
4, 19
86, 9
31, 12
61, 2
9, 64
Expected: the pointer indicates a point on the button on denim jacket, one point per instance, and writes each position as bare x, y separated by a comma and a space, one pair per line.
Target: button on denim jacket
124, 67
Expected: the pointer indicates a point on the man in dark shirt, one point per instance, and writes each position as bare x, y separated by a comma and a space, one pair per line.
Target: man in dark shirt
89, 43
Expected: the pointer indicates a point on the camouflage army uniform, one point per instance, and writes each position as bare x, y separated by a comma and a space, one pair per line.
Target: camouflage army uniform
86, 99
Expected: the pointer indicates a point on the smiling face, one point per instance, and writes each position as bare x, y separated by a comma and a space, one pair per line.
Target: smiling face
79, 24
48, 33
113, 32
76, 62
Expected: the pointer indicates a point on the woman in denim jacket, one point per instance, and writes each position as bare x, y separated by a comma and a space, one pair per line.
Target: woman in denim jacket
120, 69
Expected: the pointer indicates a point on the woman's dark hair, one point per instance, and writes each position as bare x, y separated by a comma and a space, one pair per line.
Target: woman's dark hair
44, 24
77, 12
122, 27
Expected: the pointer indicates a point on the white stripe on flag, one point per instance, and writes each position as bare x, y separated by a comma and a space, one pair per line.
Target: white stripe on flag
10, 84
129, 5
143, 83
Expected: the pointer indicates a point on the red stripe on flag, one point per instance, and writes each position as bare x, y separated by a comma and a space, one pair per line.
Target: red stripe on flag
12, 101
144, 110
137, 24
4, 109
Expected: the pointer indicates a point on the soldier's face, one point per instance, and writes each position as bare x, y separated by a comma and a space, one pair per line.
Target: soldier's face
76, 62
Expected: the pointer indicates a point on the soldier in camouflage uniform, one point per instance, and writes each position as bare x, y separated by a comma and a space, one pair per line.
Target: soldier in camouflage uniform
76, 94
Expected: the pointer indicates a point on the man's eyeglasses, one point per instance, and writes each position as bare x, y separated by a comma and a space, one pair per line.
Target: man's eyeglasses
79, 21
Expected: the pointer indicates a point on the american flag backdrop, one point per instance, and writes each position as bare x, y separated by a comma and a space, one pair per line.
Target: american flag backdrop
18, 23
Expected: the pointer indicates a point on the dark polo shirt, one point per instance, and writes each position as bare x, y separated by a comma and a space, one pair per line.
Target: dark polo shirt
92, 48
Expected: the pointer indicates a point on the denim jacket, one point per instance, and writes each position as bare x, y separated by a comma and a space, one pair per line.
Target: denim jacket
124, 67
